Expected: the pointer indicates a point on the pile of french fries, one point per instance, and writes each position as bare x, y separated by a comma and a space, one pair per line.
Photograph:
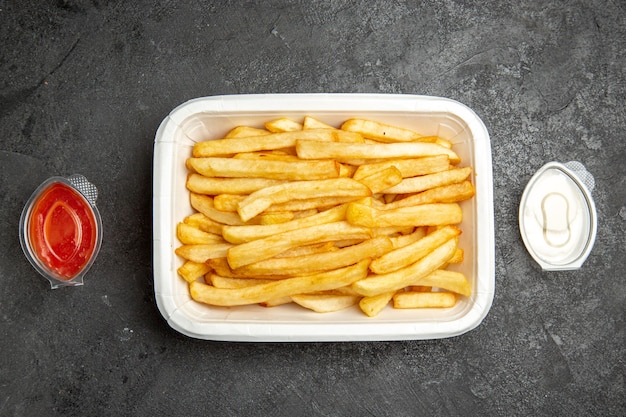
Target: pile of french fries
327, 218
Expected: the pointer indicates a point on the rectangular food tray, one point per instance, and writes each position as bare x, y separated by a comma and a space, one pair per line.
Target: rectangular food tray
212, 117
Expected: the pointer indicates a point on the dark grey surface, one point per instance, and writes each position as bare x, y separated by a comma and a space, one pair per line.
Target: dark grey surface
85, 84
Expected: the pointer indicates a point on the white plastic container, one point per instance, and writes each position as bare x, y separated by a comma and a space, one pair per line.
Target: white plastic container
211, 117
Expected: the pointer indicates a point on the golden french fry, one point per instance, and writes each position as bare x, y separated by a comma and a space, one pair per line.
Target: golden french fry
422, 215
242, 234
287, 287
458, 257
407, 239
425, 182
228, 202
276, 217
315, 149
393, 281
269, 155
325, 303
313, 123
204, 204
202, 253
200, 184
271, 141
229, 282
283, 124
452, 193
318, 203
406, 255
381, 132
276, 302
203, 223
191, 235
382, 180
407, 167
448, 280
271, 169
419, 299
324, 261
420, 288
372, 306
191, 271
260, 249
260, 200
245, 131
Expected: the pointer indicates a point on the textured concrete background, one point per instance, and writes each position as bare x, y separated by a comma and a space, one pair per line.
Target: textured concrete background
85, 84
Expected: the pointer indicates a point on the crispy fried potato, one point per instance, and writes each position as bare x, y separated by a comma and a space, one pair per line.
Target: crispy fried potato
419, 299
382, 180
407, 167
406, 255
315, 149
325, 303
381, 131
191, 235
283, 124
313, 123
242, 234
191, 271
245, 131
422, 215
393, 281
425, 182
200, 184
287, 287
372, 306
448, 280
260, 200
271, 169
202, 253
281, 140
299, 265
260, 249
203, 223
453, 193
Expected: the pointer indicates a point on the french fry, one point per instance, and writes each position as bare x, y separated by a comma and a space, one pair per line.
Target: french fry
284, 155
406, 255
452, 193
229, 282
271, 169
260, 249
382, 180
447, 280
325, 303
200, 184
372, 306
202, 253
204, 204
422, 215
381, 132
393, 281
281, 140
260, 200
245, 131
203, 223
287, 287
458, 257
407, 167
419, 299
191, 235
191, 271
276, 217
299, 265
425, 182
283, 124
242, 234
315, 149
313, 123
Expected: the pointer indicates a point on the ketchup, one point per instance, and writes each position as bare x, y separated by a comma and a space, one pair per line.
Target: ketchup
63, 231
